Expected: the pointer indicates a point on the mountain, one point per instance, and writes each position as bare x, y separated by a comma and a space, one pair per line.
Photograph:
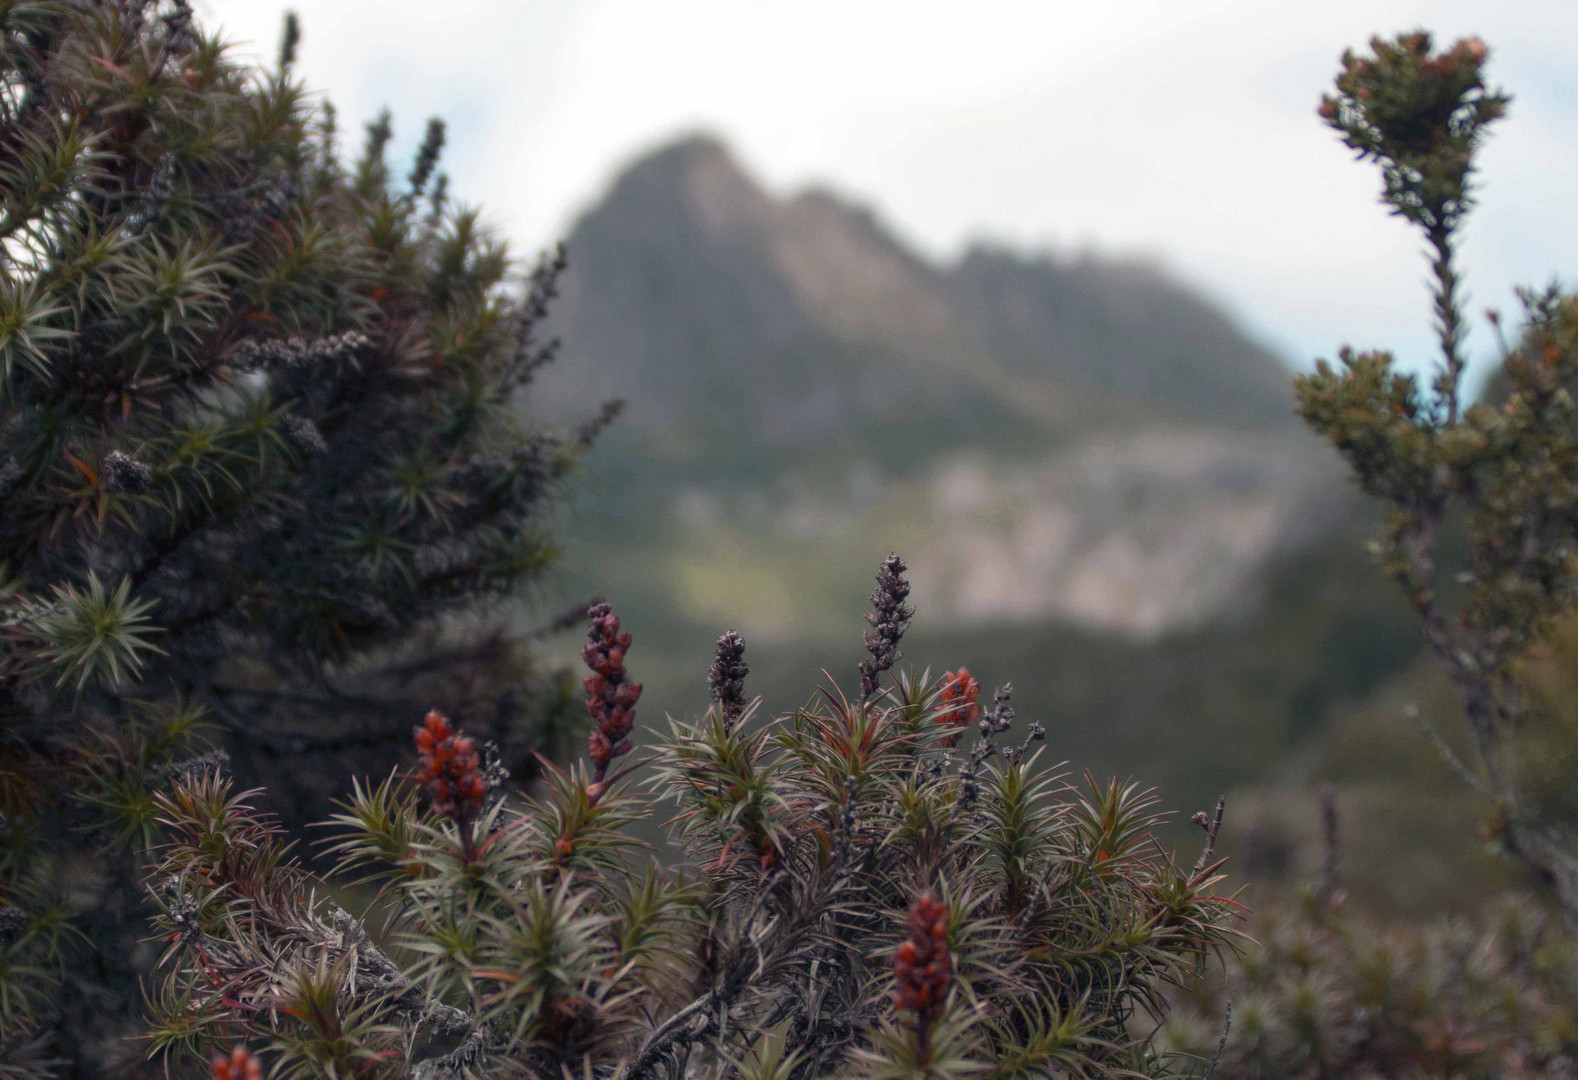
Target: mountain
801, 317
1084, 440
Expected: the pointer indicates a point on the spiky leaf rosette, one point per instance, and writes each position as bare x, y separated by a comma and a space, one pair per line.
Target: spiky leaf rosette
259, 435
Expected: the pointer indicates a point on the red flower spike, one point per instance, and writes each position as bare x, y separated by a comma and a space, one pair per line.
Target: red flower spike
449, 766
238, 1065
960, 698
609, 697
922, 969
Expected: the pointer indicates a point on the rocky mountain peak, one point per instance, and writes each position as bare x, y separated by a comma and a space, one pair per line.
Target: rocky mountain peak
688, 272
1079, 439
695, 179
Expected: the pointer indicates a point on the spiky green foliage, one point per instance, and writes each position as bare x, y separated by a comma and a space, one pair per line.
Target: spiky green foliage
1330, 994
1507, 471
259, 441
766, 939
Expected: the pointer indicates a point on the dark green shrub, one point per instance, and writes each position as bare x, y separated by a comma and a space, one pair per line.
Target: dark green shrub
258, 453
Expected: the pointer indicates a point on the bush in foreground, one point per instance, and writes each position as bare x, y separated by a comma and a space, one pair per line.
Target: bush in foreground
843, 894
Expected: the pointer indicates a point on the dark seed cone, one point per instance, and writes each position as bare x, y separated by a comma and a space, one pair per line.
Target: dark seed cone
727, 677
888, 622
610, 698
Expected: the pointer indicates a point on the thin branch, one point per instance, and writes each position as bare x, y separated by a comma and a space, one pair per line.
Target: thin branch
1211, 830
1453, 762
690, 1022
1221, 1044
373, 977
1461, 668
388, 982
570, 618
696, 1015
27, 615
1449, 316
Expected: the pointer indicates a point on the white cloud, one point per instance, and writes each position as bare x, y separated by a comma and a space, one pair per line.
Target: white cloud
1181, 128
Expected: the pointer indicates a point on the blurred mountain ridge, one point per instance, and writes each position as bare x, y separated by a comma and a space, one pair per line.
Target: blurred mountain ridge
1085, 440
687, 270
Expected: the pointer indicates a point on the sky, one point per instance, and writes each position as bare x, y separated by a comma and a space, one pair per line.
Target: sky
1177, 130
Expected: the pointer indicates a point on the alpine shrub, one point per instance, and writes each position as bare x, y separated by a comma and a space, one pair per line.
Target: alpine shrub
840, 895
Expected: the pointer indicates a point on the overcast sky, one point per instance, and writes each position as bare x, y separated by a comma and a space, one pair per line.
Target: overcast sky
1179, 129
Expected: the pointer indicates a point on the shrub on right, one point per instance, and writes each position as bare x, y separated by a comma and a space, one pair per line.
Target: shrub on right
1509, 472
1330, 993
